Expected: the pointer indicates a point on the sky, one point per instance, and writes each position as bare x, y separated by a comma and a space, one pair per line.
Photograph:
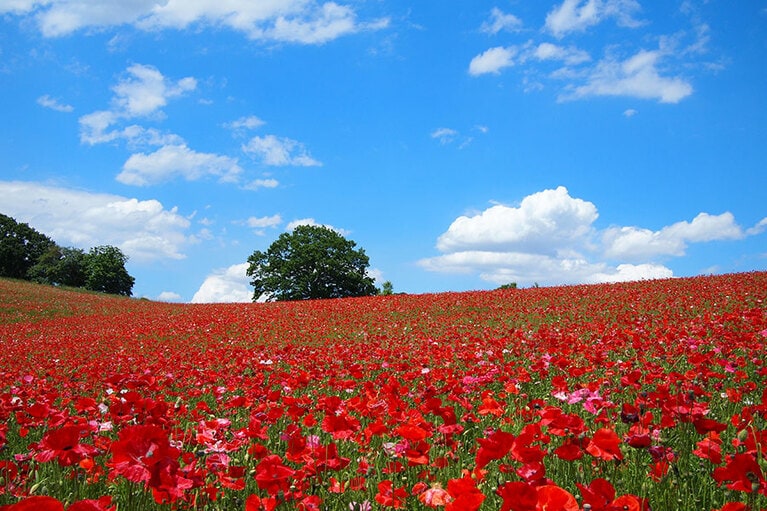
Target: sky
462, 145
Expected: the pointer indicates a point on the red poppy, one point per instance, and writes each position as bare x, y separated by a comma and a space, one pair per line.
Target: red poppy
598, 494
64, 445
494, 447
518, 496
605, 445
742, 471
554, 498
390, 496
37, 503
256, 503
466, 495
272, 475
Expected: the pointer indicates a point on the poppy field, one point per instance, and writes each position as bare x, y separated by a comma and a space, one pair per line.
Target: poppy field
631, 396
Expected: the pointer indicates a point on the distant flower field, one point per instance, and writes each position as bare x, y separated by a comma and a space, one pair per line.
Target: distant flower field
635, 396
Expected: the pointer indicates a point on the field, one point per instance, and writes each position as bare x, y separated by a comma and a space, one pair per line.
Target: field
635, 396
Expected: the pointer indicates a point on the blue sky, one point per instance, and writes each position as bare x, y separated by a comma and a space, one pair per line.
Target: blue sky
463, 145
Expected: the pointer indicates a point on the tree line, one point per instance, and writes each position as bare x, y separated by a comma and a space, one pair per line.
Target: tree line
30, 255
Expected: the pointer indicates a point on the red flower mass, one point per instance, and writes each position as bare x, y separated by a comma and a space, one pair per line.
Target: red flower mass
516, 400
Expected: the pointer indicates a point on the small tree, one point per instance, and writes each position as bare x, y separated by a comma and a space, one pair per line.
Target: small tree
105, 271
387, 288
309, 263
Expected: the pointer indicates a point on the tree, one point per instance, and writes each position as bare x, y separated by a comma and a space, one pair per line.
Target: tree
309, 263
60, 267
20, 247
105, 271
387, 288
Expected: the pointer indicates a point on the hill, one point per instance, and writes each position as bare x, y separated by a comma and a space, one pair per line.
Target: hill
623, 395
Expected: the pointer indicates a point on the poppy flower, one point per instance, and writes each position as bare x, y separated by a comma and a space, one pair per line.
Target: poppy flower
256, 503
389, 496
435, 496
742, 471
272, 476
466, 495
605, 445
494, 447
36, 503
64, 445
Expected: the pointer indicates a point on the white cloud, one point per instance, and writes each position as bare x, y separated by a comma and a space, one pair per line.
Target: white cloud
280, 151
629, 272
262, 183
492, 60
311, 221
501, 21
543, 220
169, 296
260, 224
570, 55
245, 123
550, 238
444, 135
143, 92
633, 243
49, 102
171, 161
758, 228
638, 77
630, 112
579, 15
225, 285
296, 21
144, 230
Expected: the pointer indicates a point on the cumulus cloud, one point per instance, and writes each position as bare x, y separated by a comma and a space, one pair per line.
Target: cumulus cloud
543, 220
142, 92
49, 102
279, 151
169, 296
550, 238
144, 229
579, 15
172, 161
295, 21
225, 285
633, 243
492, 60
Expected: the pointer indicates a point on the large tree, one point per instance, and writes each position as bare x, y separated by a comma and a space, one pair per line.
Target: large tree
20, 247
308, 263
105, 271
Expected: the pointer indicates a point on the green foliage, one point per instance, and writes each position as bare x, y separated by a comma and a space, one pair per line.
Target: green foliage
29, 255
60, 266
311, 262
387, 288
510, 285
105, 271
20, 247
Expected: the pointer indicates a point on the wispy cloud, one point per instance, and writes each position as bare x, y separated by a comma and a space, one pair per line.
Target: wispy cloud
492, 60
579, 15
501, 21
49, 102
279, 152
293, 21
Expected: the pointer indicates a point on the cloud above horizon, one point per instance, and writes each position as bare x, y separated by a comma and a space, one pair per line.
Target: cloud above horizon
551, 238
143, 229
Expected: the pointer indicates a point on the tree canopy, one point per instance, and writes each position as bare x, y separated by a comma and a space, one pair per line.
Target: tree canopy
311, 262
30, 255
